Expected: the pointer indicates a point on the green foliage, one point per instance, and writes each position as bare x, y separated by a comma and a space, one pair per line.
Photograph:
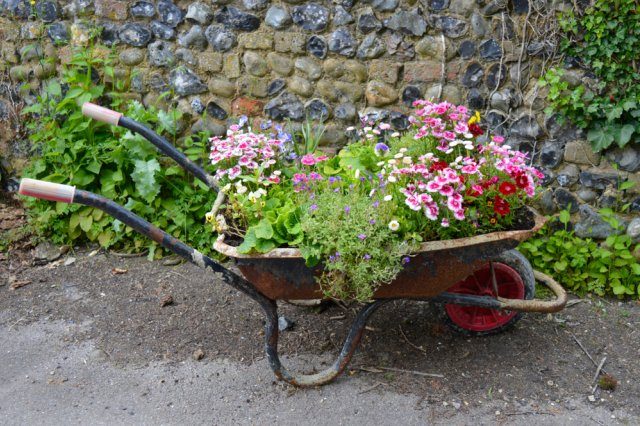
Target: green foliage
606, 38
111, 161
359, 253
584, 266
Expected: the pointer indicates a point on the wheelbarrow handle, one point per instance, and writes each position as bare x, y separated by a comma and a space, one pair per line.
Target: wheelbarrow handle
108, 116
47, 190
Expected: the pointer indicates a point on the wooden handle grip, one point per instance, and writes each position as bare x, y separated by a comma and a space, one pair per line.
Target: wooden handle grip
101, 113
47, 190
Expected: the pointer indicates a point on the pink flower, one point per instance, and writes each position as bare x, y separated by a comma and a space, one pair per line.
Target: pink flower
453, 204
445, 222
299, 178
470, 169
459, 214
446, 190
433, 186
384, 126
308, 160
413, 202
431, 211
498, 139
449, 135
234, 172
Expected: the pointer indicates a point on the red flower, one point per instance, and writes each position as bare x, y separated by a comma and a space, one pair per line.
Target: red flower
500, 206
507, 188
475, 129
438, 165
522, 180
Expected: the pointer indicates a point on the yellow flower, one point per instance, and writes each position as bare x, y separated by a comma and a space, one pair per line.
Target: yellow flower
475, 118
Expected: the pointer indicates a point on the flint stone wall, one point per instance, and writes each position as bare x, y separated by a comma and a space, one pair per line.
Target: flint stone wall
327, 60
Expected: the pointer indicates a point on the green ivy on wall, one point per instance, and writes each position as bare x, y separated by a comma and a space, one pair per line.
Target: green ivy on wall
606, 39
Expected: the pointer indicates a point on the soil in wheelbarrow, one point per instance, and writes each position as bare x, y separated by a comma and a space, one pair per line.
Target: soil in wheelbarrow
138, 312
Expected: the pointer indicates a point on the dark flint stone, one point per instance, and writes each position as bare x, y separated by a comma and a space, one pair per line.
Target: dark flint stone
160, 54
599, 180
220, 38
476, 100
143, 9
551, 154
311, 16
407, 22
450, 26
399, 121
136, 35
317, 46
345, 112
411, 94
565, 199
371, 47
367, 22
473, 75
137, 83
438, 5
317, 110
275, 87
341, 16
185, 82
234, 18
158, 83
635, 205
216, 111
490, 50
58, 33
47, 11
162, 31
110, 33
467, 49
286, 105
169, 13
520, 7
342, 42
495, 76
197, 106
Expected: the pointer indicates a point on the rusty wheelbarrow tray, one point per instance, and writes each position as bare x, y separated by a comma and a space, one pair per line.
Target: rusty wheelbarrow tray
281, 274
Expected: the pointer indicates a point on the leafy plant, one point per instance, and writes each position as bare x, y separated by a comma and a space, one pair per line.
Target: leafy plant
111, 161
606, 39
583, 265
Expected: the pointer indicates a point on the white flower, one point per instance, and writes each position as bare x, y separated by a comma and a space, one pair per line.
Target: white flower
468, 135
226, 188
403, 150
373, 191
392, 179
388, 197
367, 129
406, 160
395, 135
240, 188
392, 162
394, 225
357, 173
208, 217
468, 147
277, 172
398, 155
350, 129
380, 163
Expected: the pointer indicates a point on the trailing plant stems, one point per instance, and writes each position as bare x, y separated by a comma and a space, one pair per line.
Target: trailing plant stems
169, 150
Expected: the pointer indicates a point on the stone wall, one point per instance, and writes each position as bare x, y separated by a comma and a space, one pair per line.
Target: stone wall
326, 60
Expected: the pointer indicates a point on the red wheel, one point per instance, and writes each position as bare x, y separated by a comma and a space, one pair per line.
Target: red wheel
514, 281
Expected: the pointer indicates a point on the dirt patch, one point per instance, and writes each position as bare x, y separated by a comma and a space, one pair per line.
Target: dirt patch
121, 305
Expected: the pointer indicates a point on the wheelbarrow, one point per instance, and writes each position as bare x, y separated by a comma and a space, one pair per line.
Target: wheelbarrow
483, 282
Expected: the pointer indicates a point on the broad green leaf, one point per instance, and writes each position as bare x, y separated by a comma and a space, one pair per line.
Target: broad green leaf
144, 177
599, 139
623, 134
86, 222
264, 230
264, 246
249, 242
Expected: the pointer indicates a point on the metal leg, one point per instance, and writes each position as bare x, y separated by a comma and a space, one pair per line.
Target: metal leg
326, 376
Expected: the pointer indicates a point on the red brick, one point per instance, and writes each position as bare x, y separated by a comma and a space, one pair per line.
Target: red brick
247, 106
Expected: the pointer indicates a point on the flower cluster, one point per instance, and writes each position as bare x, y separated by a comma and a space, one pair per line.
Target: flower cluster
246, 153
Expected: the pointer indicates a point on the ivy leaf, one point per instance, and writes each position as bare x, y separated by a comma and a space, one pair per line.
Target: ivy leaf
623, 134
144, 177
599, 139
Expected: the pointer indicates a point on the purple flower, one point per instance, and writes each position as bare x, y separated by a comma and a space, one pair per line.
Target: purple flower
362, 236
243, 120
376, 204
332, 179
381, 147
367, 256
313, 207
372, 221
347, 209
406, 260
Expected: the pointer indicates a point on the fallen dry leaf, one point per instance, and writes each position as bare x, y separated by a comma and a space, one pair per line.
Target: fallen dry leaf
18, 284
166, 300
198, 354
119, 271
